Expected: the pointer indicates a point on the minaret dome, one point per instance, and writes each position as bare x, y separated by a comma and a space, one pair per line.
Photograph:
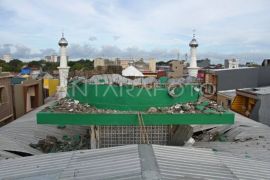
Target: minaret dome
62, 41
193, 42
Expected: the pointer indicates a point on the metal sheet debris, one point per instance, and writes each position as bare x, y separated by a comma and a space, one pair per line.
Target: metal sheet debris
68, 143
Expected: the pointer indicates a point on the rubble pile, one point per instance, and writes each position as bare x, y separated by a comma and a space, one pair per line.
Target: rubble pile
198, 107
52, 144
73, 106
69, 105
207, 136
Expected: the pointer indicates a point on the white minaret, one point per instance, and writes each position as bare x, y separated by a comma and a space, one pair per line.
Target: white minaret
63, 68
193, 69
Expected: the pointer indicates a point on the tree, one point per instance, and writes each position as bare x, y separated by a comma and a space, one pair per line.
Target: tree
162, 63
35, 64
2, 62
4, 65
15, 65
81, 64
49, 66
77, 66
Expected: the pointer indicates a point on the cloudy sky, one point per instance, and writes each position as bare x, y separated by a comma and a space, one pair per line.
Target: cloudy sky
136, 28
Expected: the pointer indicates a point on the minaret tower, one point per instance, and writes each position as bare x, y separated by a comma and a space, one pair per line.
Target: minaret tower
63, 68
193, 69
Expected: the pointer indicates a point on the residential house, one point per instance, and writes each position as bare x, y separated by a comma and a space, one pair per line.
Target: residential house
231, 63
203, 63
101, 62
225, 98
50, 85
124, 63
177, 69
27, 95
152, 65
52, 58
6, 104
216, 80
253, 103
141, 65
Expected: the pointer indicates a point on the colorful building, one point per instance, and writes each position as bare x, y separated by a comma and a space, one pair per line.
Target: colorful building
50, 86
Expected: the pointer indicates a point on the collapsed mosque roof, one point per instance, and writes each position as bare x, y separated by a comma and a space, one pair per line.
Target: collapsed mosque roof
119, 93
68, 111
108, 93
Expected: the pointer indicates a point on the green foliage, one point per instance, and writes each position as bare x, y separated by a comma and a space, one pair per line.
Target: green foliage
35, 64
16, 65
13, 66
49, 66
3, 64
82, 64
77, 66
162, 63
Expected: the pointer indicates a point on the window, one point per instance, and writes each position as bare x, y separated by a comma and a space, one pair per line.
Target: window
3, 98
209, 89
229, 102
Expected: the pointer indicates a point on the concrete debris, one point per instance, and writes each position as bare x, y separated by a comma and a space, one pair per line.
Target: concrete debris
198, 107
207, 136
76, 102
177, 106
73, 106
152, 110
190, 142
52, 144
180, 135
225, 134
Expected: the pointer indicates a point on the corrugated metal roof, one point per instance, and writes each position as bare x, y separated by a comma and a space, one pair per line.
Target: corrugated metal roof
197, 163
258, 90
7, 155
111, 163
246, 168
246, 138
179, 162
228, 93
129, 162
17, 80
17, 135
233, 69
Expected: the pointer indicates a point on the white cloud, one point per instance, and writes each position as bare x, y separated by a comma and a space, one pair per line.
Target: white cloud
223, 27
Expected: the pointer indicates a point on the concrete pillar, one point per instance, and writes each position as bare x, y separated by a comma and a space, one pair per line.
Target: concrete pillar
93, 142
